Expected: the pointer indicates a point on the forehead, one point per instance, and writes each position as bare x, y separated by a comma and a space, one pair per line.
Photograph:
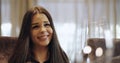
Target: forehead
39, 17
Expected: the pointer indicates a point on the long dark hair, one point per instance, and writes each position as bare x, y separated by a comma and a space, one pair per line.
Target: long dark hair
24, 43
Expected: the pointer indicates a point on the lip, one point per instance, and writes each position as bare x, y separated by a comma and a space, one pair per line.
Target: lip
43, 37
44, 34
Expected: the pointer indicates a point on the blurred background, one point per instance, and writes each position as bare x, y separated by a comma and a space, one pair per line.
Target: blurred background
75, 20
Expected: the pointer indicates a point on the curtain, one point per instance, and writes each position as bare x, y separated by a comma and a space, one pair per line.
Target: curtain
0, 17
12, 12
75, 20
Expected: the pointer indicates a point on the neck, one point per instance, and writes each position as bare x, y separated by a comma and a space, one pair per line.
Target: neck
41, 53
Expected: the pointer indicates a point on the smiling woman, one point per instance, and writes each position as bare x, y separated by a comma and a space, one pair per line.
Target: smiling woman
41, 30
37, 42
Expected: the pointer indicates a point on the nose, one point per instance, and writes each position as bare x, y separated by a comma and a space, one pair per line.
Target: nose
42, 29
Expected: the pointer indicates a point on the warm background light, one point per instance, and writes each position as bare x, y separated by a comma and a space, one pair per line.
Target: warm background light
99, 52
87, 50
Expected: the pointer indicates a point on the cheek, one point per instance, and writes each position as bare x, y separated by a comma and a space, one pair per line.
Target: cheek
33, 34
50, 30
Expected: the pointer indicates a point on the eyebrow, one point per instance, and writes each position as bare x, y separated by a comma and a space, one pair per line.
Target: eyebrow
34, 23
46, 22
38, 23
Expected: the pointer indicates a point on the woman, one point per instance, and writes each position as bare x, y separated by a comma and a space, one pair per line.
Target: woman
37, 42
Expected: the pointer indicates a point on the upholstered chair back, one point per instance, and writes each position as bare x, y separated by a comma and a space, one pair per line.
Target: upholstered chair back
7, 45
100, 42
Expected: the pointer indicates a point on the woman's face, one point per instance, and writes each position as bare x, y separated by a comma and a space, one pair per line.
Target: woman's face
41, 31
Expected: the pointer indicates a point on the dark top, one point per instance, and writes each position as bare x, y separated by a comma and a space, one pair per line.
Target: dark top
32, 60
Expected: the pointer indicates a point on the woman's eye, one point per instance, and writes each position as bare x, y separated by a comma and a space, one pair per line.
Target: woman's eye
47, 25
34, 27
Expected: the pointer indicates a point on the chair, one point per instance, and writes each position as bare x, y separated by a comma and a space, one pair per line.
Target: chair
100, 42
95, 43
7, 45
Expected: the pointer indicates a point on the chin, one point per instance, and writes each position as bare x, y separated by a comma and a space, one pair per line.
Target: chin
44, 43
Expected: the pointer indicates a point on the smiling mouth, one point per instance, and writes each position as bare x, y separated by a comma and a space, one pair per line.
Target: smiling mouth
43, 37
